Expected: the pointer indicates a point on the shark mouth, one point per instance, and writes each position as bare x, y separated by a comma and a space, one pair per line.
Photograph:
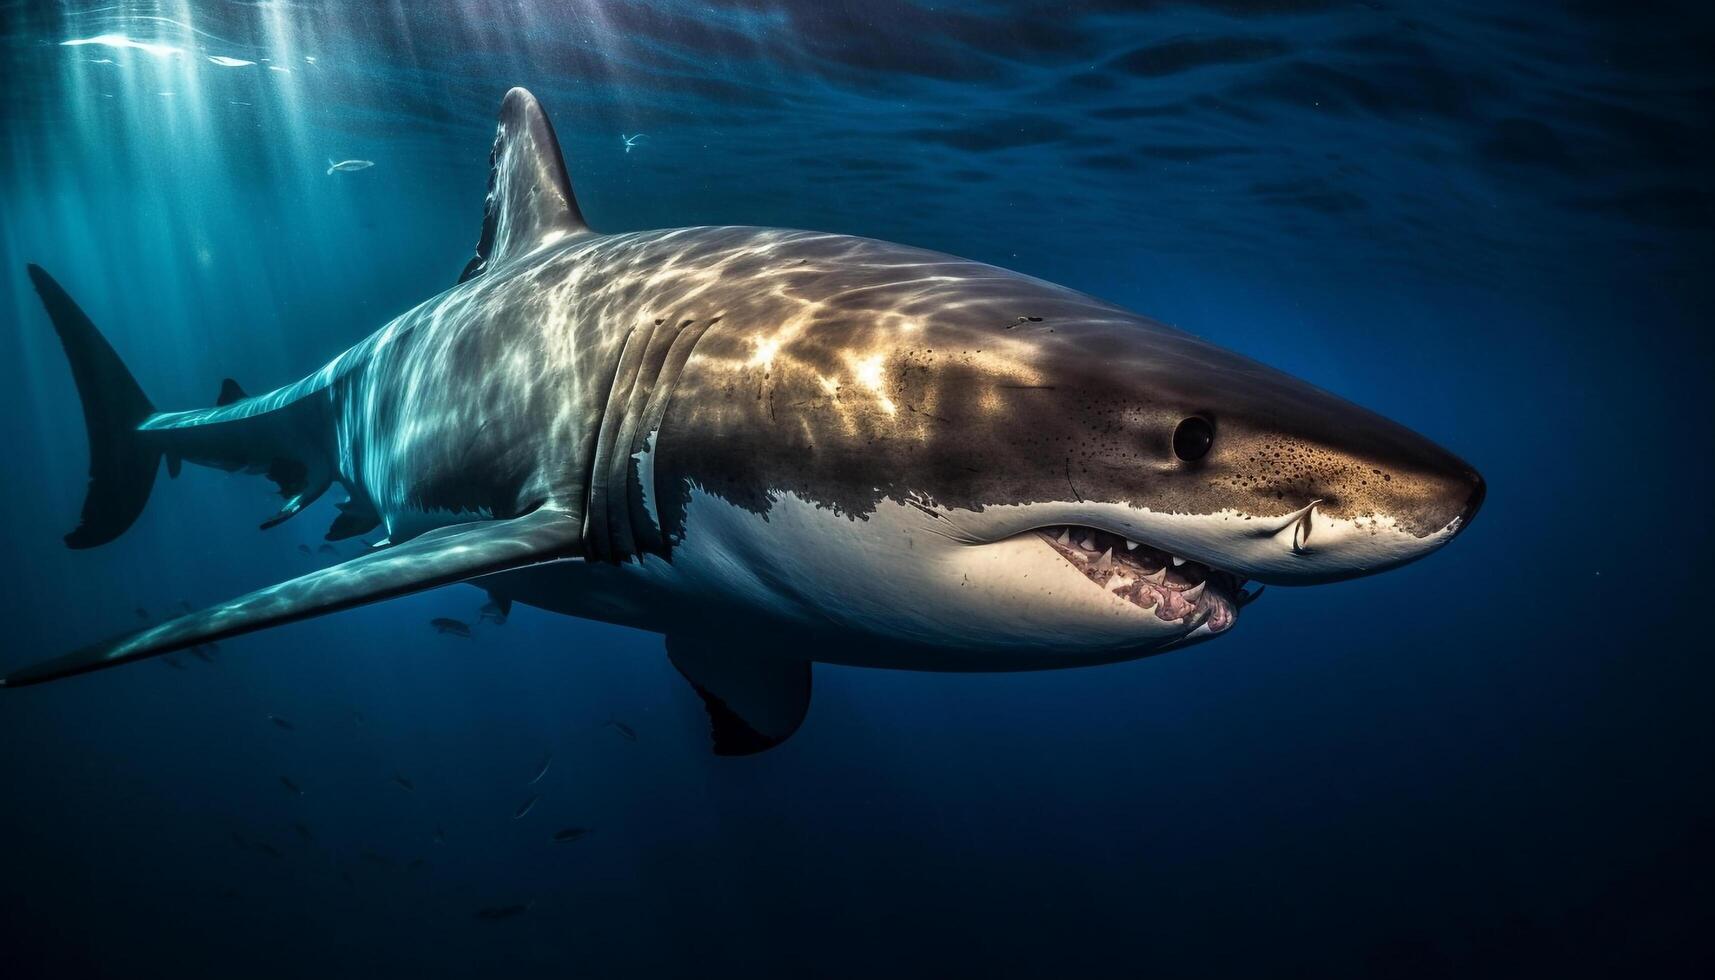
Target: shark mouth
1175, 589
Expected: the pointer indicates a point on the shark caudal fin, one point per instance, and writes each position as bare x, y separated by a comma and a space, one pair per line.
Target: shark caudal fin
122, 460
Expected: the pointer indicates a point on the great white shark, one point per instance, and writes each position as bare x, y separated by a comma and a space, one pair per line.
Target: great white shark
776, 447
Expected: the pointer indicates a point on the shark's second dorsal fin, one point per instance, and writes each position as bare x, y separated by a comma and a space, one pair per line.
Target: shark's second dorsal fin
530, 200
229, 393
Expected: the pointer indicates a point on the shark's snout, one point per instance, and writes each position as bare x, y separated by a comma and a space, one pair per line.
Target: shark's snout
1473, 500
1403, 516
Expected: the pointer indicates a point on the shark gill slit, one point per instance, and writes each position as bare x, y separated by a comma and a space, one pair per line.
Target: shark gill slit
644, 527
649, 365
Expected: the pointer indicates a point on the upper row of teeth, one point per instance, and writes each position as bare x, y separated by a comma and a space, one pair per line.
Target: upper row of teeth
1089, 544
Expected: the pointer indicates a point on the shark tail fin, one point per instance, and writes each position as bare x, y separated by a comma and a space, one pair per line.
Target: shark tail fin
122, 460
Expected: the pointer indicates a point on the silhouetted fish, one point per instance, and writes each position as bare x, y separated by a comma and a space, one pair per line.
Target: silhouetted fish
325, 549
405, 784
444, 625
280, 722
304, 548
542, 770
501, 911
348, 166
570, 834
623, 729
526, 807
291, 786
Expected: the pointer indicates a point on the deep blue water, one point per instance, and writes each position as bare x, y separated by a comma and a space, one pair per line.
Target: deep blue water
1492, 222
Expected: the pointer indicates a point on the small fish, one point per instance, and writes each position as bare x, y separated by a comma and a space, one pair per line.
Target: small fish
542, 770
526, 807
325, 549
280, 722
304, 548
225, 62
570, 834
629, 141
444, 625
348, 166
405, 784
623, 729
501, 911
303, 830
291, 787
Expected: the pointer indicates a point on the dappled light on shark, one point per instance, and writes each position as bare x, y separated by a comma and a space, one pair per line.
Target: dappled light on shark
869, 454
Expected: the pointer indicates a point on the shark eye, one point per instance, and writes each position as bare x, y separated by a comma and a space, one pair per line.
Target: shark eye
1192, 439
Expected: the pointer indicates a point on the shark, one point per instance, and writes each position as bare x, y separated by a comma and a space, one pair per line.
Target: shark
777, 448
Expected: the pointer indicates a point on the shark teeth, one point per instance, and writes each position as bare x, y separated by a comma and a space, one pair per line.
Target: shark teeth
1176, 589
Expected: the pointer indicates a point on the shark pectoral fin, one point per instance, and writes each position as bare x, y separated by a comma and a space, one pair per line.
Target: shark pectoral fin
754, 702
440, 557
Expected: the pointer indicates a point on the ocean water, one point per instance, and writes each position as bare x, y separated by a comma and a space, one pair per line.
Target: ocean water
1490, 221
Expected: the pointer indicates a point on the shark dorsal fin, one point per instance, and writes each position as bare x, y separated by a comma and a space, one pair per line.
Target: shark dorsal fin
229, 393
530, 200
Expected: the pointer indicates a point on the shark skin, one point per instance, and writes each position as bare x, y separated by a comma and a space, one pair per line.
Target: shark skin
831, 448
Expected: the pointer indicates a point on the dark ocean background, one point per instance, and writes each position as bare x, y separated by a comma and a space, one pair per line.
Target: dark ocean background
1491, 221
